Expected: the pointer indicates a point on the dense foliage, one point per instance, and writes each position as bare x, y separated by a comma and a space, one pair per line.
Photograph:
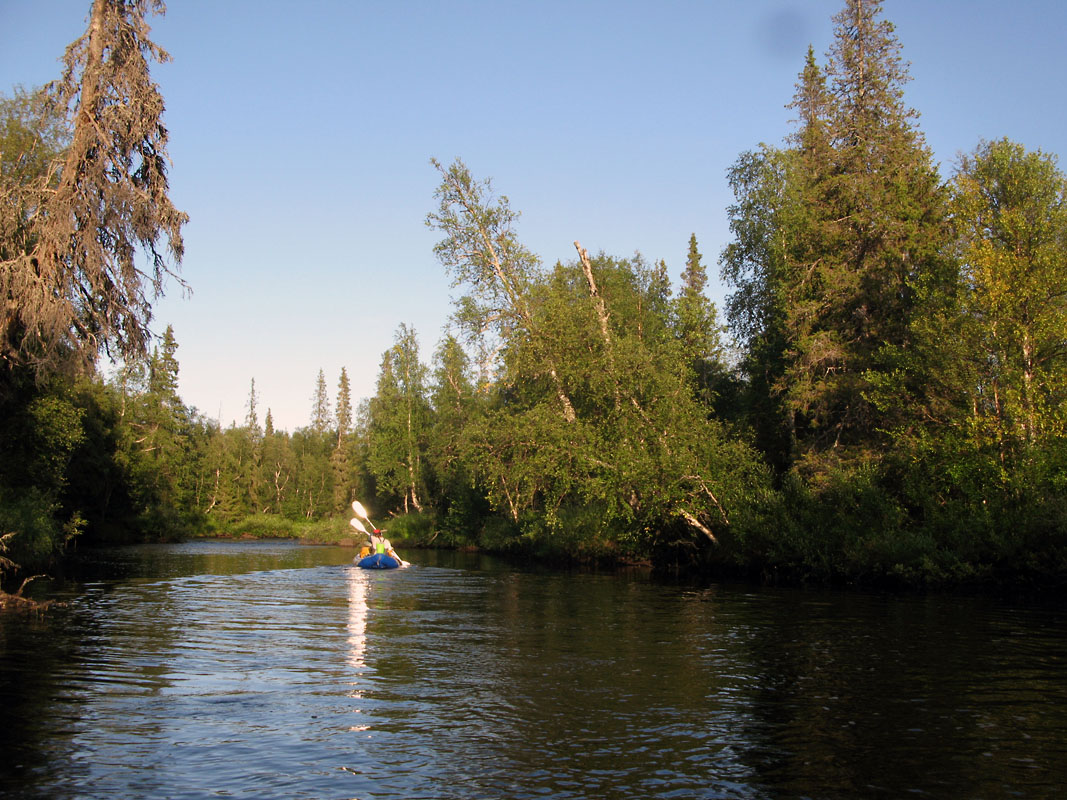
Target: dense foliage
894, 410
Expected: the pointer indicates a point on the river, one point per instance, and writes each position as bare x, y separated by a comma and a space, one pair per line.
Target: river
271, 670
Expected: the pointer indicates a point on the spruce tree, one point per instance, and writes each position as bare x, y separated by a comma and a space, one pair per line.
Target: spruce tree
886, 214
833, 236
320, 406
343, 407
104, 236
252, 416
342, 457
698, 325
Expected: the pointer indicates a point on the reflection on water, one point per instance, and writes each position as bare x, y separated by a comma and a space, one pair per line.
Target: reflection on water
275, 671
357, 619
357, 638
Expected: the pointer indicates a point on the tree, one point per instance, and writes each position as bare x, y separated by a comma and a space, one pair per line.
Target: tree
33, 136
163, 370
252, 416
344, 407
698, 325
399, 424
892, 209
99, 234
276, 471
481, 250
320, 406
1010, 217
343, 455
249, 453
157, 423
833, 235
454, 406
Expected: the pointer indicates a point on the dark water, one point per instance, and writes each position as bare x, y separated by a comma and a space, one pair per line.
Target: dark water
278, 671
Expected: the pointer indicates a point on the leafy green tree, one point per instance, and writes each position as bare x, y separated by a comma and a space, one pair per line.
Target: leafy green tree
481, 250
451, 454
155, 433
277, 472
40, 433
399, 423
225, 487
1010, 216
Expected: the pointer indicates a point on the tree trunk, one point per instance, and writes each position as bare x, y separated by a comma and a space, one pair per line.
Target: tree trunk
602, 315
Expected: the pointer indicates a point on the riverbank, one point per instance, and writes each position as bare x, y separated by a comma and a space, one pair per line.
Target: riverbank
421, 531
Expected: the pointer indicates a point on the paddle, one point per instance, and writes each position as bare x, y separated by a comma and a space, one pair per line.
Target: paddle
361, 511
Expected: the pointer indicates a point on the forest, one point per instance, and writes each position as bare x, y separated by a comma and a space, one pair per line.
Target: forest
881, 401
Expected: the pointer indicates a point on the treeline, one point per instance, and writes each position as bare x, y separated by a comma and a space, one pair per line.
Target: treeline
124, 459
890, 406
896, 411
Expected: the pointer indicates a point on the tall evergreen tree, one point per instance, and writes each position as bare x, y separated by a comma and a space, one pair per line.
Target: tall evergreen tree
252, 415
833, 236
249, 454
160, 426
343, 407
320, 406
888, 211
698, 324
343, 455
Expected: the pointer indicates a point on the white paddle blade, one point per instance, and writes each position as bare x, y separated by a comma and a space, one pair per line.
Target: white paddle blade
355, 523
360, 510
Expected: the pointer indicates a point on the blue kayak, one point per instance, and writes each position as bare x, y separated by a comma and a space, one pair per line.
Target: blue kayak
378, 561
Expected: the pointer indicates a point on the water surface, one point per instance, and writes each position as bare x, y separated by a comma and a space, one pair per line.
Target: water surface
254, 670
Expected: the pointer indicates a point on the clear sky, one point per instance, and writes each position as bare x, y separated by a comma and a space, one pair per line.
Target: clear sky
301, 135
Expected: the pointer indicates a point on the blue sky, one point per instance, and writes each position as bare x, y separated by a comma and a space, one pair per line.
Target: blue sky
301, 135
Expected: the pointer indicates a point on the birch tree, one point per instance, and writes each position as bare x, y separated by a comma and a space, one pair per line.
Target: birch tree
482, 252
1010, 214
399, 422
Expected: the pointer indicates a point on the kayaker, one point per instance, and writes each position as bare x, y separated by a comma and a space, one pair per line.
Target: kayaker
382, 546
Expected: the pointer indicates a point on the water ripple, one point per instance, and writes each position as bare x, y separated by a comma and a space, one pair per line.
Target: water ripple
274, 679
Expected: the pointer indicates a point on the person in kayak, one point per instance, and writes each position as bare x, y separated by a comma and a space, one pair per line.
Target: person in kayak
381, 546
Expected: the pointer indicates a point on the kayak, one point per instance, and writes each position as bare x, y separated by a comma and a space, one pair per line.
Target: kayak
378, 561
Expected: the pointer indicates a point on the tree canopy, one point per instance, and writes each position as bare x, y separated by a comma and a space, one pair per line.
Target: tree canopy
886, 403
